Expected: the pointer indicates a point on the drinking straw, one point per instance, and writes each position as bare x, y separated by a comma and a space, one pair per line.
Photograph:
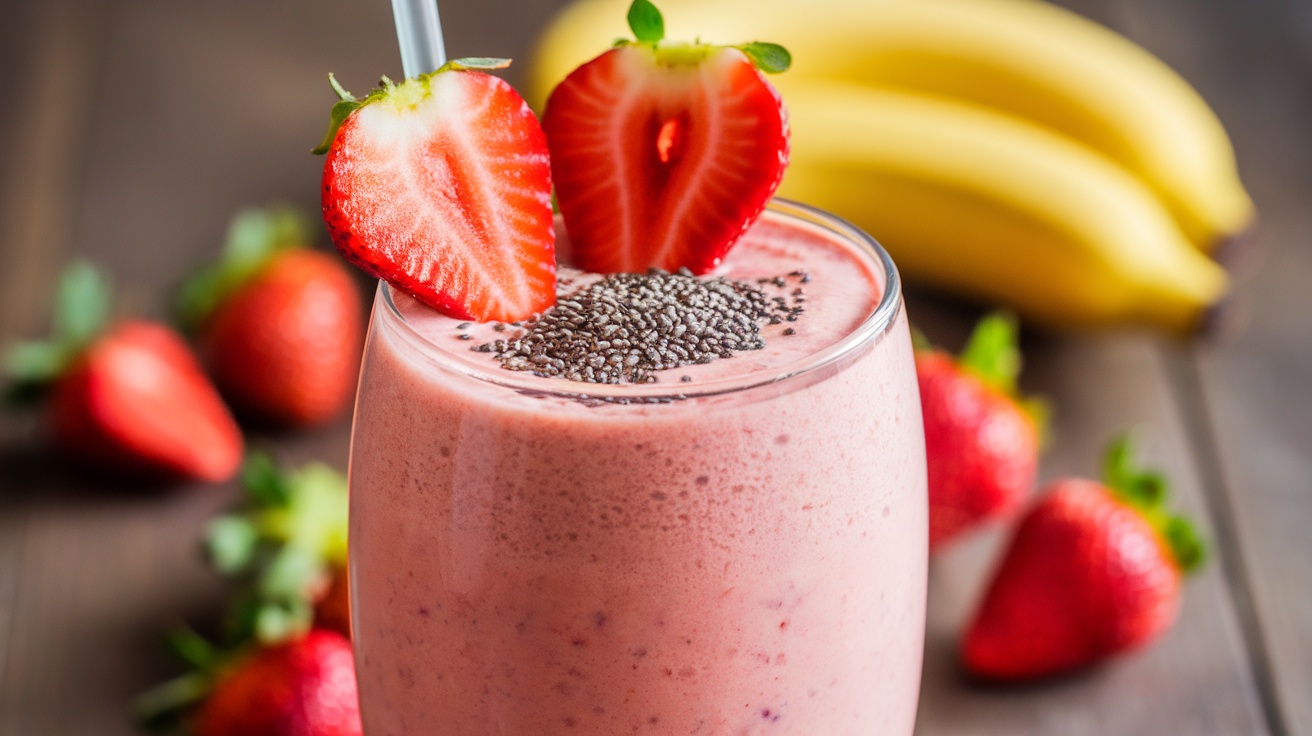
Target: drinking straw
419, 32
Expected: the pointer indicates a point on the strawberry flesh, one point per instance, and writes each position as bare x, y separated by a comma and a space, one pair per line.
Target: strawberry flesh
442, 187
663, 155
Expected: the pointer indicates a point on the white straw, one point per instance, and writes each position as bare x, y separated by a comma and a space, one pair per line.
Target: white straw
420, 34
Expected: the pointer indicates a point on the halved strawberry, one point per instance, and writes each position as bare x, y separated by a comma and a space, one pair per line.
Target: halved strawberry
441, 186
664, 153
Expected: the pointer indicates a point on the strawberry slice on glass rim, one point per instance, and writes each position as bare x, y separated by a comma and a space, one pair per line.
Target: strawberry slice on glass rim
664, 153
441, 186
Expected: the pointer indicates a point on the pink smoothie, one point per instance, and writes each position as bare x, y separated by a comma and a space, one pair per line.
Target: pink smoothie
748, 558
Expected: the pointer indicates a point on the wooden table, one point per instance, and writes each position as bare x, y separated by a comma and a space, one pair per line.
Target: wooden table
134, 128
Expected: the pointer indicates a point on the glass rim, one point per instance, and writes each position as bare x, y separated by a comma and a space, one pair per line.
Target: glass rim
871, 329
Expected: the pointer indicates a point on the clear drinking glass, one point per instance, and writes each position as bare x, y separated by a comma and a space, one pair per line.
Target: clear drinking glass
742, 555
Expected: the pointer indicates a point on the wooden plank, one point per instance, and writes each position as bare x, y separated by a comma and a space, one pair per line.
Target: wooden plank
1251, 396
1194, 681
51, 47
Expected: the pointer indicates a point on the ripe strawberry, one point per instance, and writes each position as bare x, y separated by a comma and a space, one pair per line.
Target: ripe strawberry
1093, 570
333, 609
286, 546
441, 186
301, 687
128, 397
279, 325
981, 440
304, 687
664, 153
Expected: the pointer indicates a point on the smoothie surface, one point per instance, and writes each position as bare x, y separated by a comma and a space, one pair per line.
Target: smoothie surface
833, 289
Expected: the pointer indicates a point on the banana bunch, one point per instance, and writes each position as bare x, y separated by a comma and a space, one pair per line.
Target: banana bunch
1008, 150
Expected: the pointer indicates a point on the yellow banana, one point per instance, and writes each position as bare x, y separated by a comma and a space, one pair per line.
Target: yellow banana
1026, 58
994, 207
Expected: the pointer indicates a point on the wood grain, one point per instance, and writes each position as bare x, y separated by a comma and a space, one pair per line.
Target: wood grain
1251, 395
1196, 680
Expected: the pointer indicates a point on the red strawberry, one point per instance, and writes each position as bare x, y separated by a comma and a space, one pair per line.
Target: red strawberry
1093, 570
981, 441
279, 325
333, 610
441, 186
300, 688
130, 398
664, 153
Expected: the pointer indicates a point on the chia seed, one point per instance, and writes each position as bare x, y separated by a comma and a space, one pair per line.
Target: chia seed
624, 327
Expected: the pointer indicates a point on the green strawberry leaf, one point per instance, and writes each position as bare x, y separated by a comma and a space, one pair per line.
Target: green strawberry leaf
920, 341
231, 542
1148, 492
475, 63
342, 109
770, 58
264, 483
81, 304
646, 22
277, 622
35, 362
191, 648
992, 353
160, 709
1186, 544
291, 574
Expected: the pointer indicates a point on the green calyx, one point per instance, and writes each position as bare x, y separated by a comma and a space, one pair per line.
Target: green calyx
161, 708
648, 26
254, 237
1148, 493
407, 93
82, 307
281, 545
992, 354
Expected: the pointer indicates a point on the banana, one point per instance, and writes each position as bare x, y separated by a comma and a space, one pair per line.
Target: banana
1026, 58
993, 207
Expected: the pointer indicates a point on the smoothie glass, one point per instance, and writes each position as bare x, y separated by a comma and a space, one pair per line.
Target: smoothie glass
743, 554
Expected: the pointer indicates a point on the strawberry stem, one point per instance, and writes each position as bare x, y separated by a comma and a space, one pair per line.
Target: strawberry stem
342, 94
1148, 492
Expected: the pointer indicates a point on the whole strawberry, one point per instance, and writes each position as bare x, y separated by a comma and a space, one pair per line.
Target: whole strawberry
1094, 569
301, 687
305, 687
127, 396
981, 439
663, 152
279, 325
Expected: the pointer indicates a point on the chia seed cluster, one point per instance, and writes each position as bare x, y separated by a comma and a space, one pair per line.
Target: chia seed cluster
625, 326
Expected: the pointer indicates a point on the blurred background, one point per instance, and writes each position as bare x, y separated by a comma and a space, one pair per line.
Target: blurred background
134, 129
